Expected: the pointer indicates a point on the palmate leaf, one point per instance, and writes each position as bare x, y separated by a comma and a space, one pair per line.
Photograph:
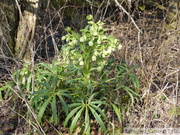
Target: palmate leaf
75, 119
98, 118
42, 109
54, 110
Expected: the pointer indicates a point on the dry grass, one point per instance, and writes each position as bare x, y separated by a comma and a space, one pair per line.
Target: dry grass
156, 52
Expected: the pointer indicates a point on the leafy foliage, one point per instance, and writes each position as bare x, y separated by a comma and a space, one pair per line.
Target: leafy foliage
82, 83
83, 109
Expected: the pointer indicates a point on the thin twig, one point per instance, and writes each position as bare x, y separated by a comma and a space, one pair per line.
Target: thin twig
140, 49
121, 7
19, 8
27, 104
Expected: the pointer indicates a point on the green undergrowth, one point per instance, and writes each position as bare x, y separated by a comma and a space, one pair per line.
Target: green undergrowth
82, 85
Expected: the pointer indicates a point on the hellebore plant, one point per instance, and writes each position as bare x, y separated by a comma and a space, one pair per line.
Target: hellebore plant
90, 48
87, 53
82, 83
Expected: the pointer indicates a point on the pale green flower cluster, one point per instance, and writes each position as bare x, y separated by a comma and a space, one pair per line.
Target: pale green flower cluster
91, 47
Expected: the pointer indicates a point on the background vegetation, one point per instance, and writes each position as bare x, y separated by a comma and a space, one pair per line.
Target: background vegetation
61, 73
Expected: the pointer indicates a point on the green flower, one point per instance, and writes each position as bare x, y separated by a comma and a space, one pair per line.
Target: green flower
89, 17
90, 43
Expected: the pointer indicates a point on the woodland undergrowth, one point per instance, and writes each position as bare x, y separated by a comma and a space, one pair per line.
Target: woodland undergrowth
100, 75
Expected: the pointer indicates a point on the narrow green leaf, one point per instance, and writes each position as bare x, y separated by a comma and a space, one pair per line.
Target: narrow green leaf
100, 111
46, 85
66, 95
99, 102
7, 92
49, 78
41, 91
54, 110
135, 81
65, 107
118, 112
87, 122
63, 92
45, 66
130, 90
98, 118
91, 97
75, 119
131, 96
41, 76
5, 87
71, 114
54, 82
53, 65
42, 109
74, 105
37, 97
0, 95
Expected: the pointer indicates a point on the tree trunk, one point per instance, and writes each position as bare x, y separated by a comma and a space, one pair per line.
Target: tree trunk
26, 29
8, 26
